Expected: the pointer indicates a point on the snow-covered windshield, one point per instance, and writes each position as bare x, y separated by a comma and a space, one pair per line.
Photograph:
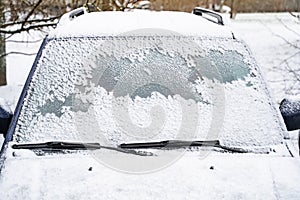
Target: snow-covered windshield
147, 88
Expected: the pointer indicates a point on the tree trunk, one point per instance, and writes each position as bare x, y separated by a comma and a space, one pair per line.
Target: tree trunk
2, 49
232, 12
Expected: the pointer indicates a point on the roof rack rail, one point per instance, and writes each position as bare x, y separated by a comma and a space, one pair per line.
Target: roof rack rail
77, 12
209, 15
66, 18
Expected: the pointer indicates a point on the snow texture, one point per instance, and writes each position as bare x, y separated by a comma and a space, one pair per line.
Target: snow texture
290, 106
219, 176
122, 89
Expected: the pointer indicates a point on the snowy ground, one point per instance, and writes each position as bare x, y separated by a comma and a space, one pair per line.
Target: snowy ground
273, 38
275, 41
18, 65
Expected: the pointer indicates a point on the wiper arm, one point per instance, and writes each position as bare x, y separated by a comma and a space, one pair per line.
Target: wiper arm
175, 144
55, 145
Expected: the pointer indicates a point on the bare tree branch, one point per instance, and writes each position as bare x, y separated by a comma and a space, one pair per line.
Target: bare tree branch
30, 13
21, 41
279, 36
294, 15
30, 21
285, 60
31, 27
289, 69
287, 27
19, 53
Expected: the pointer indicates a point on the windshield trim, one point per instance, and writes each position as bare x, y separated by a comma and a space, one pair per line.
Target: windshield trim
19, 106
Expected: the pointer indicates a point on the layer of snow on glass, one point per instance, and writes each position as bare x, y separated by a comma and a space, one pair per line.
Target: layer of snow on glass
122, 89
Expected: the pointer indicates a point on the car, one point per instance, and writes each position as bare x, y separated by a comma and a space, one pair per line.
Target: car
147, 105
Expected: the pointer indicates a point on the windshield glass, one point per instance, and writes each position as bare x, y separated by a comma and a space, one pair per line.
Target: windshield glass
147, 88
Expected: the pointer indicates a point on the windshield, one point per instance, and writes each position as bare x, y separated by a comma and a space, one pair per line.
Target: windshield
129, 88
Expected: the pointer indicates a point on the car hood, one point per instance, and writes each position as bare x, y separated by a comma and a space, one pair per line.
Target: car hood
192, 176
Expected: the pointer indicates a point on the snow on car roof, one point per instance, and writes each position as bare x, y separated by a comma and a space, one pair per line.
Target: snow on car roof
116, 23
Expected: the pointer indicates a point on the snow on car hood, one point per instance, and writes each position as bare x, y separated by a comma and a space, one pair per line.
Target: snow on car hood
218, 176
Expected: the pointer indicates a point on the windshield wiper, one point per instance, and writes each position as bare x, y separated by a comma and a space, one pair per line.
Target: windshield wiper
175, 144
56, 146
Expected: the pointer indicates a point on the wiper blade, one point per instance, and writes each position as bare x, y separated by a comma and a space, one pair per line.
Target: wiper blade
55, 145
58, 146
175, 144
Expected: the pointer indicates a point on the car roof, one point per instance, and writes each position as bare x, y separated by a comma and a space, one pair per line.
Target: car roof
112, 23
